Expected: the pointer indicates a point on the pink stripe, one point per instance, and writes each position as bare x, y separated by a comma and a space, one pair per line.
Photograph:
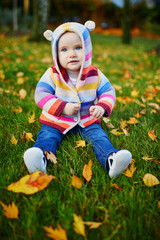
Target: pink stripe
43, 101
88, 56
66, 119
108, 96
85, 116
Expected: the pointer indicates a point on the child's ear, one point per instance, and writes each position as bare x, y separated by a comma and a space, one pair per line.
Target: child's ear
90, 25
48, 35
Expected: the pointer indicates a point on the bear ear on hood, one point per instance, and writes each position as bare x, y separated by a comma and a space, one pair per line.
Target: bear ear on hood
48, 35
90, 25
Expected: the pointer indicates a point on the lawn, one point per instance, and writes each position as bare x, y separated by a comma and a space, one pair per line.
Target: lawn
126, 207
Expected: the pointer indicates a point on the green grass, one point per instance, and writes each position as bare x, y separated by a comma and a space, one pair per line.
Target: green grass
130, 214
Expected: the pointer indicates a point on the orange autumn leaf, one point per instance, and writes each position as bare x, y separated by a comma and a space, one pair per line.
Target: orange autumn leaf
130, 171
31, 183
32, 118
152, 135
93, 225
76, 182
132, 120
18, 110
56, 234
87, 171
116, 132
80, 143
10, 211
29, 136
116, 186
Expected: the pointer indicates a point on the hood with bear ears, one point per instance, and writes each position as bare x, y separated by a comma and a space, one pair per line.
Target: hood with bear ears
82, 31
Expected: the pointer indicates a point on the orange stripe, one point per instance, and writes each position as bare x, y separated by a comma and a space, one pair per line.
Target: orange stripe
54, 107
64, 125
94, 120
86, 70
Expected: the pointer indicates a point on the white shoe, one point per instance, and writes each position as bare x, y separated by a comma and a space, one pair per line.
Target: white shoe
35, 160
120, 162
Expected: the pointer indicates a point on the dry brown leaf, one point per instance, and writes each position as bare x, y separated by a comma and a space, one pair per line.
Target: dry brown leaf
18, 110
93, 225
152, 135
87, 171
56, 234
76, 182
78, 225
50, 156
116, 186
115, 132
150, 180
80, 143
14, 140
132, 120
10, 211
158, 204
32, 118
29, 136
31, 183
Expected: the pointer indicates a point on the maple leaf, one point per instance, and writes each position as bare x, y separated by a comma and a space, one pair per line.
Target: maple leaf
87, 171
134, 93
50, 156
130, 171
115, 132
57, 234
22, 93
80, 143
31, 183
29, 136
152, 135
14, 140
93, 225
123, 124
32, 118
132, 120
18, 110
10, 211
78, 224
137, 115
76, 182
150, 180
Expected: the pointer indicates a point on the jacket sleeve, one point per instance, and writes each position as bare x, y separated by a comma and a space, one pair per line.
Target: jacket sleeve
106, 94
45, 95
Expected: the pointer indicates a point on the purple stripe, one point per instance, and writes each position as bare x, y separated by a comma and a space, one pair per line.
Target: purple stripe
43, 101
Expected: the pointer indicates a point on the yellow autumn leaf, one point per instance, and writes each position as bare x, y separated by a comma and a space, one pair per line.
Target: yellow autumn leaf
10, 211
132, 120
134, 93
152, 135
93, 225
130, 171
150, 180
31, 183
80, 102
78, 225
147, 158
29, 136
50, 156
14, 140
76, 182
56, 234
80, 143
137, 115
87, 171
116, 132
123, 124
18, 110
22, 93
32, 118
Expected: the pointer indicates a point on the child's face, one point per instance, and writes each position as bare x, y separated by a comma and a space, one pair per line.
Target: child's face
70, 51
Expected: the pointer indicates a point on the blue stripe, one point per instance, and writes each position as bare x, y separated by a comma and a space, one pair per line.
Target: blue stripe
47, 86
85, 34
104, 89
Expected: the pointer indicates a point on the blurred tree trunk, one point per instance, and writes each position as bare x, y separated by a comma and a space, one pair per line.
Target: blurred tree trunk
15, 17
40, 19
26, 7
126, 22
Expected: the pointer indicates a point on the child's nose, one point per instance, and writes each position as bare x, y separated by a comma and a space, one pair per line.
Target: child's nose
72, 53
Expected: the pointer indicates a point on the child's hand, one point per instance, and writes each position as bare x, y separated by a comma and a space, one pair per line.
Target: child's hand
71, 109
96, 111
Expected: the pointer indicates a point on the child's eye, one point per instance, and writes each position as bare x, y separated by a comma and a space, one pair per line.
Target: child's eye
63, 49
78, 47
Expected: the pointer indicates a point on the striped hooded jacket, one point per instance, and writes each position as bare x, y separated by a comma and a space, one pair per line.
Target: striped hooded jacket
55, 89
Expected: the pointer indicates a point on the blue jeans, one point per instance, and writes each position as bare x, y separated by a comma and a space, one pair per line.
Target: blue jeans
49, 139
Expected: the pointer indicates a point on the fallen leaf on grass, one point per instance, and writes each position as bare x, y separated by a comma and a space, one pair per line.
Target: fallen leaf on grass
31, 183
155, 106
80, 143
147, 158
116, 132
137, 115
76, 182
130, 171
32, 118
78, 224
18, 110
56, 234
14, 140
87, 171
134, 93
50, 156
22, 93
132, 120
150, 180
152, 135
143, 112
93, 225
10, 211
29, 136
116, 186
